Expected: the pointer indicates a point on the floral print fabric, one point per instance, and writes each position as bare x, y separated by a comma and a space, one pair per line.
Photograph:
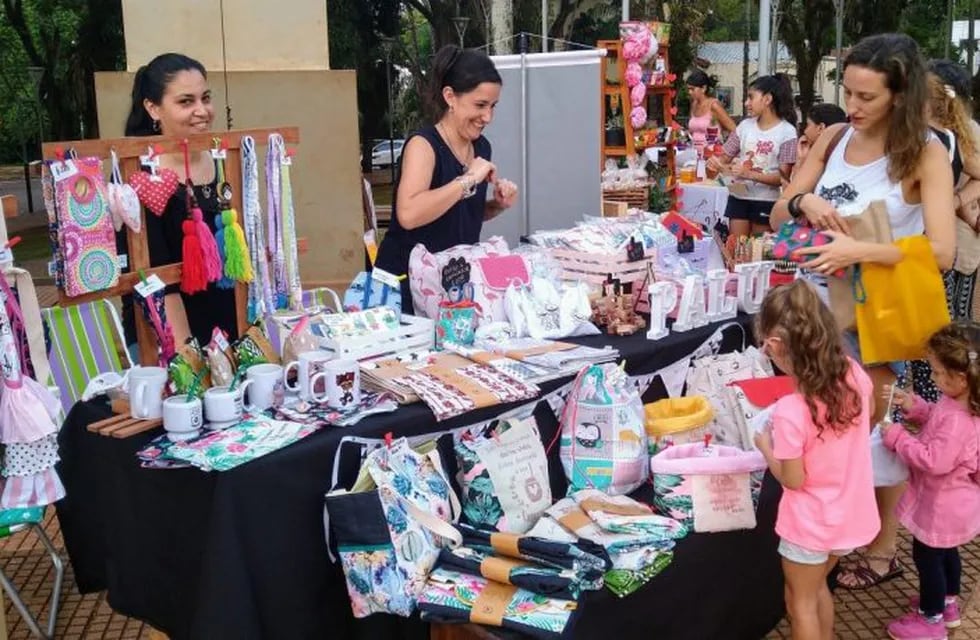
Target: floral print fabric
449, 596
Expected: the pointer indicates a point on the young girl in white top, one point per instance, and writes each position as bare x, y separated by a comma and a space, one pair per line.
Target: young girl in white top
884, 153
760, 154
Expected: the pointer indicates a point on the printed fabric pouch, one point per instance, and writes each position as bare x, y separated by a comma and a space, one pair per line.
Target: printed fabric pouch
709, 377
366, 292
677, 421
432, 275
456, 323
749, 401
583, 556
792, 236
85, 227
503, 475
603, 438
708, 487
903, 304
389, 528
490, 281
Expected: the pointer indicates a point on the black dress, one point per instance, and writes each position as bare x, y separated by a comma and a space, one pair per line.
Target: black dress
461, 224
165, 238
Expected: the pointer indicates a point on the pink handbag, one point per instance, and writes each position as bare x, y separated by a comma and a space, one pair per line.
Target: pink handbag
498, 273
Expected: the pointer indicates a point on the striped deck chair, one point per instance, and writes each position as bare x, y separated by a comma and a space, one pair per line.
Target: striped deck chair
86, 340
322, 297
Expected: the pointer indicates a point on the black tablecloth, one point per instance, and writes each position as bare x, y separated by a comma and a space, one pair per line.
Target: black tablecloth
242, 554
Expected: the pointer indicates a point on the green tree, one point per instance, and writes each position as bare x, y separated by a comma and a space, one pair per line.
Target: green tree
803, 29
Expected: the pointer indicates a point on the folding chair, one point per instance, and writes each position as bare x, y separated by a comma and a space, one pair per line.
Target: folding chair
86, 340
323, 297
13, 521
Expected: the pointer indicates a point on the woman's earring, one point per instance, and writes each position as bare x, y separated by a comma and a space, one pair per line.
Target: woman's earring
156, 126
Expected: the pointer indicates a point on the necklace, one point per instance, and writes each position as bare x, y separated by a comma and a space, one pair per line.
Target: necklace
459, 157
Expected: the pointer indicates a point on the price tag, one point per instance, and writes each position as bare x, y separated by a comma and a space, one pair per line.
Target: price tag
151, 162
386, 278
62, 169
53, 268
635, 250
150, 286
220, 340
219, 154
6, 256
286, 161
123, 260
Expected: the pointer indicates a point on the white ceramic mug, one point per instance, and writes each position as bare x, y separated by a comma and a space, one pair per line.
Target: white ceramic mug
146, 385
343, 383
266, 389
224, 407
182, 418
310, 379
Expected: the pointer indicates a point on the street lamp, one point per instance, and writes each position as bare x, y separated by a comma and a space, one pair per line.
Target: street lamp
388, 46
461, 23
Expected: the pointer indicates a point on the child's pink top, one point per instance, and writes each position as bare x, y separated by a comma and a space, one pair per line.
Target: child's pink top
835, 508
942, 504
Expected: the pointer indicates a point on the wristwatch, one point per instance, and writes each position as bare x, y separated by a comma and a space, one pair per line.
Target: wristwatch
468, 184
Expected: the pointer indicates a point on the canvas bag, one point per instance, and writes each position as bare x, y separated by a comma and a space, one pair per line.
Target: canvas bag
710, 376
365, 293
428, 271
903, 305
748, 398
710, 488
390, 526
871, 225
603, 437
503, 476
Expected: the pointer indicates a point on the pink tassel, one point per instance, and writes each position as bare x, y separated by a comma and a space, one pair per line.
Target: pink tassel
213, 269
193, 278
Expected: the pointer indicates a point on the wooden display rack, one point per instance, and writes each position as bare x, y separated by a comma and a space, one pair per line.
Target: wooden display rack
129, 151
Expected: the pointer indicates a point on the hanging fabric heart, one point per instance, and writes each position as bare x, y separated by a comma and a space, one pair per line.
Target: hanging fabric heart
154, 194
124, 204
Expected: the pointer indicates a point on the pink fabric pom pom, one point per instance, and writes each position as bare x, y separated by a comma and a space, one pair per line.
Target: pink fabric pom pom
652, 47
638, 117
638, 95
634, 74
636, 46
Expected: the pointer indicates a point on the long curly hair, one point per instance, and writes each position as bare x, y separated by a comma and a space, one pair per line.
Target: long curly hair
956, 346
897, 57
950, 112
795, 314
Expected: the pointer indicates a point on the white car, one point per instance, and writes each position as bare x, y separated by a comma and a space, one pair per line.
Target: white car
382, 154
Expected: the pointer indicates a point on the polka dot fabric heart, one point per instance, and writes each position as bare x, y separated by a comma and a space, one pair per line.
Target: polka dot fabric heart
154, 194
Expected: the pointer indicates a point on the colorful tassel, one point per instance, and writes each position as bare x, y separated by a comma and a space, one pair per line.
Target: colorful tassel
238, 264
209, 250
193, 278
219, 239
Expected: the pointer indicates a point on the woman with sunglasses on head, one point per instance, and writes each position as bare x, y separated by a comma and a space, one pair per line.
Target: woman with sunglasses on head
440, 197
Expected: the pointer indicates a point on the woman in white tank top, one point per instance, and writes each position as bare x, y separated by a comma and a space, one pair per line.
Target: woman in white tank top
885, 153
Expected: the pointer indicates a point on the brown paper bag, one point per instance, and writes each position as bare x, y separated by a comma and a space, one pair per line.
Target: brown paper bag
871, 225
967, 243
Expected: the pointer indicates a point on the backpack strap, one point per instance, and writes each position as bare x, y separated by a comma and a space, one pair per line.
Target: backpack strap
834, 142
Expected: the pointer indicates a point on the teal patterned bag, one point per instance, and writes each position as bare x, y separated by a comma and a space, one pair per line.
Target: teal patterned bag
456, 323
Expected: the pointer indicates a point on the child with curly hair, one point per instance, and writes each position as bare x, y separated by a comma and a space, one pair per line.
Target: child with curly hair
819, 449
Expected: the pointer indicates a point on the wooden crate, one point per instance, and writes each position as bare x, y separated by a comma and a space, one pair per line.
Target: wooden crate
415, 334
638, 198
595, 268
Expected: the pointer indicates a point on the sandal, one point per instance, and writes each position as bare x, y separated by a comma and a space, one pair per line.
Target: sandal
862, 576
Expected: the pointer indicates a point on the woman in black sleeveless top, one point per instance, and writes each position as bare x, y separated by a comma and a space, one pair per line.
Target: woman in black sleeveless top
440, 197
171, 97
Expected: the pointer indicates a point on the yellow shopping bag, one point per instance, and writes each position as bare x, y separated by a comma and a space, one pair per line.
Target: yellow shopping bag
900, 306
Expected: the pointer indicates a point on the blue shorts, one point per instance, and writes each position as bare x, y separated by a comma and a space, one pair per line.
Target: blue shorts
853, 347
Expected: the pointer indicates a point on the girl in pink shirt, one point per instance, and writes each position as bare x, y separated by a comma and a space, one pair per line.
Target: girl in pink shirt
819, 450
941, 507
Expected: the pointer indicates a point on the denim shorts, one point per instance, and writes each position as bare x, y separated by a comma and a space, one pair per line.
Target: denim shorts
853, 347
802, 555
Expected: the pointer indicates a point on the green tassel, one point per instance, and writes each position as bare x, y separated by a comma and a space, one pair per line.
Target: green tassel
238, 264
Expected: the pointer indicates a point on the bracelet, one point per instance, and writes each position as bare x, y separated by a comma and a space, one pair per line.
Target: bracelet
469, 186
795, 210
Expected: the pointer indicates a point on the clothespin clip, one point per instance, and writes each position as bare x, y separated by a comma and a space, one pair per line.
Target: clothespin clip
707, 440
59, 153
142, 276
287, 155
12, 242
389, 439
220, 149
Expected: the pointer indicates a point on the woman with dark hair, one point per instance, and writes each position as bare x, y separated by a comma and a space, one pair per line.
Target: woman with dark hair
886, 153
171, 98
706, 110
440, 197
764, 149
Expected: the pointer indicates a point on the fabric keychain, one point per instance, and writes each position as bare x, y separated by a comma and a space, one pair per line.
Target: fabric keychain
273, 190
152, 302
124, 204
201, 263
260, 300
237, 262
294, 289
